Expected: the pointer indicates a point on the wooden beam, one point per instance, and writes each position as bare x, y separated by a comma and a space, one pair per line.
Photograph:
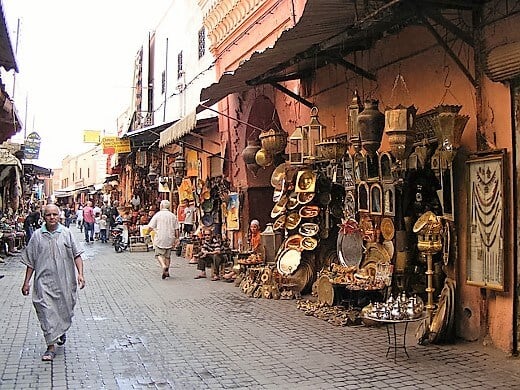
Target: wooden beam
354, 68
448, 50
293, 95
448, 25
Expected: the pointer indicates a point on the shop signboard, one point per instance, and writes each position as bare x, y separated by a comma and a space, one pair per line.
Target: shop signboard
32, 146
114, 144
91, 136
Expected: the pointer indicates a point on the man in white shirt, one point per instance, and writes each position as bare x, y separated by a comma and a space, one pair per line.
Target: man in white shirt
166, 226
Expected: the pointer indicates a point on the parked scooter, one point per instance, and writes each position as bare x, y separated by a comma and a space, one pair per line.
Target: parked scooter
119, 236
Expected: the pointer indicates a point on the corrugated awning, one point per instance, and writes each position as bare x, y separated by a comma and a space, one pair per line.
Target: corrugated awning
321, 21
326, 33
7, 59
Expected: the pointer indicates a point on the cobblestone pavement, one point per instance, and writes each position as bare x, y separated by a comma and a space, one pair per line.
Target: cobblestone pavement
133, 330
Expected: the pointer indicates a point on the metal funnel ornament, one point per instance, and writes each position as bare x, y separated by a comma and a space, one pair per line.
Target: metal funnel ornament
449, 125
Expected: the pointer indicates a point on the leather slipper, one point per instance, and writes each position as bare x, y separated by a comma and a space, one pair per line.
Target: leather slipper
200, 277
48, 356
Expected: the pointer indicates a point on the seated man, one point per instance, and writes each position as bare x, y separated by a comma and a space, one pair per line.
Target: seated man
210, 252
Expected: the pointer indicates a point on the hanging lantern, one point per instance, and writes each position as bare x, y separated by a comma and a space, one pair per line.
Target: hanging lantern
296, 147
179, 165
354, 108
312, 134
152, 174
274, 141
449, 126
399, 126
371, 123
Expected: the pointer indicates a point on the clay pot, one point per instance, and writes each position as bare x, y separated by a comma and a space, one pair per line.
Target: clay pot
371, 123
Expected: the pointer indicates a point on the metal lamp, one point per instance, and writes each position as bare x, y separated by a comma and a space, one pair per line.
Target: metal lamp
354, 108
296, 145
312, 134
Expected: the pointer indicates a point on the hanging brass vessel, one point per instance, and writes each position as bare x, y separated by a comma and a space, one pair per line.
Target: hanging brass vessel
274, 141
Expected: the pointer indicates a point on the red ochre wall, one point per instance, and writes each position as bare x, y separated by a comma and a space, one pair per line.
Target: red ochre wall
427, 72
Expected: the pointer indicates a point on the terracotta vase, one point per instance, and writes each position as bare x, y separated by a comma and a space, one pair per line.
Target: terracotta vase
371, 123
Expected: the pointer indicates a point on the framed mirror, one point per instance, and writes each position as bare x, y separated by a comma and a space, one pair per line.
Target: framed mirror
363, 197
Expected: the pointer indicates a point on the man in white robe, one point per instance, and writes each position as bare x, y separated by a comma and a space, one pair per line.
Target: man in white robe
53, 255
166, 226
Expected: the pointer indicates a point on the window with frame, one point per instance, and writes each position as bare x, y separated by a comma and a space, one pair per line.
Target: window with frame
202, 42
180, 70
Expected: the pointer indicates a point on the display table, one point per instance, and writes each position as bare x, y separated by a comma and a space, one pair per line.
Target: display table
394, 336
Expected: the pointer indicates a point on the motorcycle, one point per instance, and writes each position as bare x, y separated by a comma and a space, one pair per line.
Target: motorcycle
119, 235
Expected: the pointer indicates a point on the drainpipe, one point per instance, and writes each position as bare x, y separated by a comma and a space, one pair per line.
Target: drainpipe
165, 81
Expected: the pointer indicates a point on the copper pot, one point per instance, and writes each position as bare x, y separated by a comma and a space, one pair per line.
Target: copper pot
263, 158
274, 141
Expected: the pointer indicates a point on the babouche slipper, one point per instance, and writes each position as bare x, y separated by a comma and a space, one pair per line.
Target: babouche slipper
48, 356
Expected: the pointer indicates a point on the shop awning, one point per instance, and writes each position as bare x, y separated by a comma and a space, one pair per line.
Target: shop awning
326, 33
66, 194
7, 59
147, 136
36, 170
184, 127
178, 129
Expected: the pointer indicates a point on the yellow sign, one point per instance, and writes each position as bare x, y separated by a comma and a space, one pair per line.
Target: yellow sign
113, 145
92, 136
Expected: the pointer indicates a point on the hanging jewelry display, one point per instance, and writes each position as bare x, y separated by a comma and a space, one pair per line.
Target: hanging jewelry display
486, 218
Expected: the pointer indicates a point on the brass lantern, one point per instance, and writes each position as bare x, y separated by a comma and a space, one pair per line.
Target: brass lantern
354, 108
312, 134
296, 147
179, 165
399, 127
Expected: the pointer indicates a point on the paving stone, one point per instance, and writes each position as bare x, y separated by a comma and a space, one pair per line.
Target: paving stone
132, 330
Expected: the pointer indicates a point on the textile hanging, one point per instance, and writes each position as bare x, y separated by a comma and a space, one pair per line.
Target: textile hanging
233, 216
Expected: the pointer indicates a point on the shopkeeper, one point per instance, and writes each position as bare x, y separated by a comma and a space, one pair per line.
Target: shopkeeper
254, 236
255, 245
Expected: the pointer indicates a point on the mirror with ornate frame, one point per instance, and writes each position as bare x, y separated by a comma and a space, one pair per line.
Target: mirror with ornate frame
363, 197
376, 199
389, 200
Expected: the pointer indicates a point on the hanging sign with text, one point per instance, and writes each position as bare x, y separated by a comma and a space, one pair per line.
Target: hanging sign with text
32, 146
113, 145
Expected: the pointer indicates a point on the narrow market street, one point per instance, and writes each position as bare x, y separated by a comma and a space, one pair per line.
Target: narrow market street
133, 330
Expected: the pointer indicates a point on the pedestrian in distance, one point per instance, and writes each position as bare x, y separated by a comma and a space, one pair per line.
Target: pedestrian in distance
53, 256
79, 218
103, 229
89, 219
166, 227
